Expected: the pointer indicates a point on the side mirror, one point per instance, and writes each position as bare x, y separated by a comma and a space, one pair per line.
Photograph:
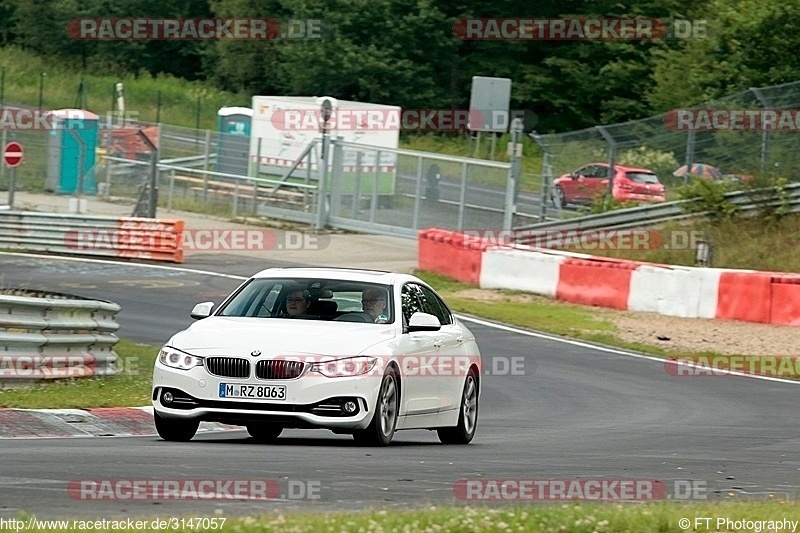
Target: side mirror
423, 322
574, 175
201, 310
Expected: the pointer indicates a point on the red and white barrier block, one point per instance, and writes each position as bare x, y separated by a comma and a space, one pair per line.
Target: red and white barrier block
751, 296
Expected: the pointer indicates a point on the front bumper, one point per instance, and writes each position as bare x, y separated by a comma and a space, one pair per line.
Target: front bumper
312, 401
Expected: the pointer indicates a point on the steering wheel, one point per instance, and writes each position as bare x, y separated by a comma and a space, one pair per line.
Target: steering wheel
355, 317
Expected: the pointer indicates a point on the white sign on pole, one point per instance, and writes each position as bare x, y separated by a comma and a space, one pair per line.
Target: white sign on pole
489, 104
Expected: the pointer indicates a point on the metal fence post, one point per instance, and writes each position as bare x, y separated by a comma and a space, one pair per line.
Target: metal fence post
547, 177
513, 174
322, 186
337, 175
207, 150
462, 196
417, 195
375, 178
690, 138
612, 157
171, 189
356, 204
765, 103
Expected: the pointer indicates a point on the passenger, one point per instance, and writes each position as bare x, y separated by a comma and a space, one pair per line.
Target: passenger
297, 303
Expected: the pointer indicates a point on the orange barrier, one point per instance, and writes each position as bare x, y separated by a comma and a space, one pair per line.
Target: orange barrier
451, 253
785, 302
744, 296
129, 238
595, 282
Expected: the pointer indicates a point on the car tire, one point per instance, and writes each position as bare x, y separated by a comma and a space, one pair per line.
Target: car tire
559, 198
384, 421
264, 433
467, 415
175, 429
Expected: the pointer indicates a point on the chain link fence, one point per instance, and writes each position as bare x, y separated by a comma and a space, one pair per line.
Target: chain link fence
666, 142
332, 183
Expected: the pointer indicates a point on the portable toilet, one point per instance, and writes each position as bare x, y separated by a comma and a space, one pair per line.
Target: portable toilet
73, 140
233, 146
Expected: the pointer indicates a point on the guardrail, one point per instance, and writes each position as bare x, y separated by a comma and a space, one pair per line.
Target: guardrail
118, 237
47, 336
651, 215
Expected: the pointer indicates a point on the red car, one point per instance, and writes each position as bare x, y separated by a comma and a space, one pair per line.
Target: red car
588, 183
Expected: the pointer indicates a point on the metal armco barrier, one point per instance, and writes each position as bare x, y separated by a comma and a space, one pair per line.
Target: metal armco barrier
119, 237
646, 216
55, 336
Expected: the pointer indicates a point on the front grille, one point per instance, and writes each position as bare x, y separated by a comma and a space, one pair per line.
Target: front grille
228, 367
279, 369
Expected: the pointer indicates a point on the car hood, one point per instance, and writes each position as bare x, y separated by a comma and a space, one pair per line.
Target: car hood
273, 337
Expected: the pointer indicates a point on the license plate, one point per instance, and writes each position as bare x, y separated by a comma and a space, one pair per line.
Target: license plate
260, 392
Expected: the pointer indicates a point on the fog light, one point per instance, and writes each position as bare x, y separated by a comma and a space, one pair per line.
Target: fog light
166, 398
350, 407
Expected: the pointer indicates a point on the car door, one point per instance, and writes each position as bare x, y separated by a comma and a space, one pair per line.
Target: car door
417, 356
453, 361
572, 186
584, 182
597, 183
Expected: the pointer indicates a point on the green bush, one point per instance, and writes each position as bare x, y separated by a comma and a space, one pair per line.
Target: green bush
662, 163
708, 197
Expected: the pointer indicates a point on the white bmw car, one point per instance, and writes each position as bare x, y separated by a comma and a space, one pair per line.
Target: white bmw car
355, 351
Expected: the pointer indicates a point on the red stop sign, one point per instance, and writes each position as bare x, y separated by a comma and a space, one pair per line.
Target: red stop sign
12, 154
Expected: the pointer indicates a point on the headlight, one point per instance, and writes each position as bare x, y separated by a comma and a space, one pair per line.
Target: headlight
177, 359
347, 367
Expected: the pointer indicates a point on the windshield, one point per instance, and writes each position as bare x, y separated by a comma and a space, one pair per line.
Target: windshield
312, 299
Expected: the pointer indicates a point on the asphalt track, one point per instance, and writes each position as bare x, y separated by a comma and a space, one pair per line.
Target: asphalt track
576, 411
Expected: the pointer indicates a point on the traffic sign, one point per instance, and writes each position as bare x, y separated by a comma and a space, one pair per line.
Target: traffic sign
12, 154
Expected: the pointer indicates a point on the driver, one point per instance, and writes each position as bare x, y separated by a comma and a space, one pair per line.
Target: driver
373, 301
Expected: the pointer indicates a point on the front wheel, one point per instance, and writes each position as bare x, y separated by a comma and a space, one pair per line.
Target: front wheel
384, 421
175, 429
467, 416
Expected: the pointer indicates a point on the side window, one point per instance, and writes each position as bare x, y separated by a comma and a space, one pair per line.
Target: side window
435, 306
410, 300
592, 171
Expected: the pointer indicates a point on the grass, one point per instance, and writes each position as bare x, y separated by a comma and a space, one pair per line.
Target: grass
747, 243
179, 98
575, 517
129, 388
